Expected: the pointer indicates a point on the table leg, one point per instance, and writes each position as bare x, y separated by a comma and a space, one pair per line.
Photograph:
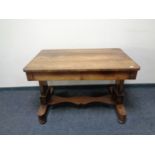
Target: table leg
119, 96
45, 95
117, 91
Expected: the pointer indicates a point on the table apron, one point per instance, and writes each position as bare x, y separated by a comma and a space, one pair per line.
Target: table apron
106, 75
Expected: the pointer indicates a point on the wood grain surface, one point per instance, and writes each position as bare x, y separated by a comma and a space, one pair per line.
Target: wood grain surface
108, 59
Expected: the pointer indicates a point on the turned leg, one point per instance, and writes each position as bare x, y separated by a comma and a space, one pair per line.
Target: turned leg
44, 97
118, 97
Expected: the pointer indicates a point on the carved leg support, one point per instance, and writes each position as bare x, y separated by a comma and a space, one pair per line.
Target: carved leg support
118, 94
45, 96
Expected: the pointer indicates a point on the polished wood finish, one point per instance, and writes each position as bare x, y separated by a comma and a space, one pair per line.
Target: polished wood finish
82, 64
110, 59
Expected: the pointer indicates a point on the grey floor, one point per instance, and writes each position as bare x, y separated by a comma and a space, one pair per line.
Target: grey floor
18, 107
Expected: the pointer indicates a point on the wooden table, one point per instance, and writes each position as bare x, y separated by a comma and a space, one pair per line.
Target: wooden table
82, 64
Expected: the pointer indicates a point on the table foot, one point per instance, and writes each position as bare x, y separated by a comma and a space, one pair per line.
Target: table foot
42, 113
42, 119
121, 113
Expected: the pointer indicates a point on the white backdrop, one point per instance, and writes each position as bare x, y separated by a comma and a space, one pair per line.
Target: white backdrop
21, 40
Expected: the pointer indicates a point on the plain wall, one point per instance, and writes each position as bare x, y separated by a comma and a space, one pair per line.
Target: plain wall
21, 40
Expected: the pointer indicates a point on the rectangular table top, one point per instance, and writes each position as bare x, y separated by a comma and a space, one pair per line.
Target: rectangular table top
57, 60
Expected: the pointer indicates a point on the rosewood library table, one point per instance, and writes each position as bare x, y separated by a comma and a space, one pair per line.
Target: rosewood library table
82, 64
